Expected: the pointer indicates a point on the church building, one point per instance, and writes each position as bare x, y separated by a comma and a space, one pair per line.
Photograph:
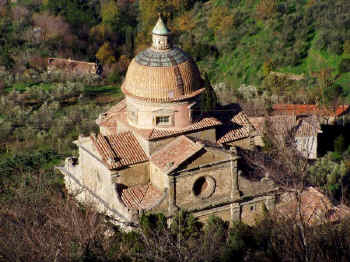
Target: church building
156, 152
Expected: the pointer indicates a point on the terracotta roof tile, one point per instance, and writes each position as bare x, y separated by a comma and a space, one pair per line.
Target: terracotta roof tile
141, 196
169, 157
238, 128
283, 124
316, 207
200, 124
119, 150
291, 109
71, 66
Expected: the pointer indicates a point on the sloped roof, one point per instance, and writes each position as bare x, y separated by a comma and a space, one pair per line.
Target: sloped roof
169, 157
71, 65
119, 150
302, 128
166, 58
141, 196
291, 109
315, 207
237, 128
160, 28
281, 124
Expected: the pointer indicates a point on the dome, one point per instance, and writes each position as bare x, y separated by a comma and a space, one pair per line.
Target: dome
162, 73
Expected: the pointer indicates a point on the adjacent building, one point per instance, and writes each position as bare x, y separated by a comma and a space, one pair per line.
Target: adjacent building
302, 129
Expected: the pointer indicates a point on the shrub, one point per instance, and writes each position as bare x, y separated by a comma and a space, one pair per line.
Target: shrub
344, 66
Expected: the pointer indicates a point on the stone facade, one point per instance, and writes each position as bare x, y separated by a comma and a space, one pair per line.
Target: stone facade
305, 131
73, 67
207, 183
156, 153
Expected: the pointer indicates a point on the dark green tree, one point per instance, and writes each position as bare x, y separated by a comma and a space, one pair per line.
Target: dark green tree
208, 99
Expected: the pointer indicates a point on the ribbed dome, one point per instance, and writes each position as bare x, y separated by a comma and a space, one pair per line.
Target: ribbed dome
162, 73
162, 76
170, 57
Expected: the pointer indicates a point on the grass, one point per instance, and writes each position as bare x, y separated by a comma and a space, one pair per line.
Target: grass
113, 90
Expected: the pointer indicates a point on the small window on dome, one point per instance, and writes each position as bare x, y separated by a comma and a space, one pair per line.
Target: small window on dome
162, 120
171, 94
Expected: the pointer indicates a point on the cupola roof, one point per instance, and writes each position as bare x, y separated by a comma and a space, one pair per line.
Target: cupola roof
160, 28
162, 75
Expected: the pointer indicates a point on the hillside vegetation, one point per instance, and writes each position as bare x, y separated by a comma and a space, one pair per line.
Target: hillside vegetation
235, 42
238, 45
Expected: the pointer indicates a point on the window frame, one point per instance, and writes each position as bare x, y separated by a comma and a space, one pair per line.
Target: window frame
159, 122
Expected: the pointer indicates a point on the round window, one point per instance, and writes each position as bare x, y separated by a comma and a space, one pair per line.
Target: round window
204, 187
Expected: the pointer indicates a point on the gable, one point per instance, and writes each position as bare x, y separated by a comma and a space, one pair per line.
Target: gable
169, 157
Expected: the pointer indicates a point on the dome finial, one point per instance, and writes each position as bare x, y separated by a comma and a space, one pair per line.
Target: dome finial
160, 27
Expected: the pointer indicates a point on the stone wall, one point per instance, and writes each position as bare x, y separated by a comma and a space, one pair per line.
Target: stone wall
185, 196
158, 178
95, 183
307, 146
252, 211
249, 187
223, 212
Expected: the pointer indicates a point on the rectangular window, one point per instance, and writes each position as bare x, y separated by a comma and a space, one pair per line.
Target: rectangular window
162, 120
133, 116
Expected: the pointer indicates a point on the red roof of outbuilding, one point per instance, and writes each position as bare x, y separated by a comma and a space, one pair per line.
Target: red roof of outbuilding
316, 208
282, 124
292, 109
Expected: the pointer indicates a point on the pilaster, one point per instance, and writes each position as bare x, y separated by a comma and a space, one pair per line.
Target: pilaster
172, 208
235, 212
235, 184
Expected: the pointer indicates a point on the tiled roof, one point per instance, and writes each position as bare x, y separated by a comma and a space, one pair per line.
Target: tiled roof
237, 128
281, 124
162, 83
169, 157
291, 109
316, 207
119, 150
118, 112
71, 66
141, 196
200, 124
152, 57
